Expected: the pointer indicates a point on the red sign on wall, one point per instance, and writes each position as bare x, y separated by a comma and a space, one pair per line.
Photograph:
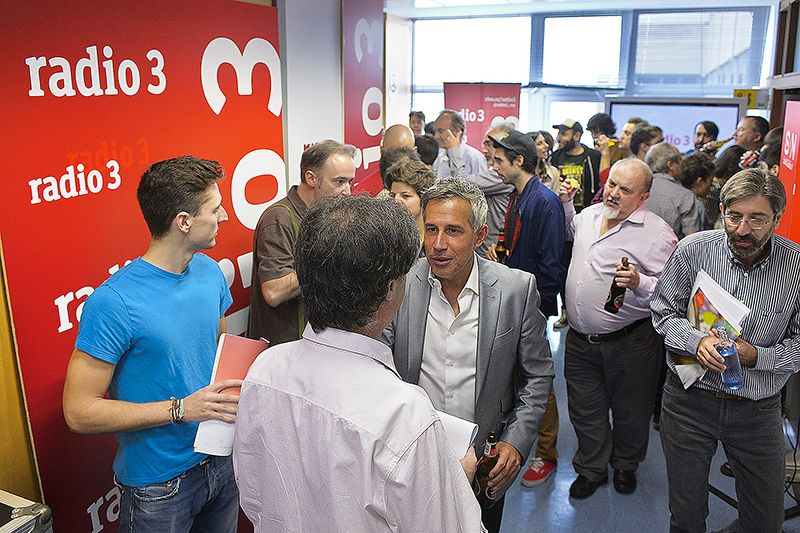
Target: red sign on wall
93, 93
789, 173
483, 105
362, 74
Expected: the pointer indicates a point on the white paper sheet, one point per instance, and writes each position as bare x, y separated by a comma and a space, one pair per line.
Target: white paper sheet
460, 432
214, 437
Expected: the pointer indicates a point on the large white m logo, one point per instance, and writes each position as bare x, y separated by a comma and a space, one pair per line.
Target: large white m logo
374, 34
223, 50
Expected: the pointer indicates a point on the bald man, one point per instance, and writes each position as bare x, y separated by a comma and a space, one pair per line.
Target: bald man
397, 136
397, 143
394, 137
612, 360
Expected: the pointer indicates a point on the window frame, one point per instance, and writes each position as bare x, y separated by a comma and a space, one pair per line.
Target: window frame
540, 94
761, 16
537, 48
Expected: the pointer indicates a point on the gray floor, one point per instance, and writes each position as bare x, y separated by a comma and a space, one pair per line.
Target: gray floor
548, 508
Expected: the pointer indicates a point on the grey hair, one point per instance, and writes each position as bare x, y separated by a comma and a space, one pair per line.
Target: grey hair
660, 156
315, 156
348, 251
450, 188
456, 120
752, 182
505, 127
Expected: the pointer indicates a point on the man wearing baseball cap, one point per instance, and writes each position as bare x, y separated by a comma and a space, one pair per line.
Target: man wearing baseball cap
534, 235
535, 227
579, 162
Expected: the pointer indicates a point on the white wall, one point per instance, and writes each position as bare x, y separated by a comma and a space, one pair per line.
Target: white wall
311, 52
397, 62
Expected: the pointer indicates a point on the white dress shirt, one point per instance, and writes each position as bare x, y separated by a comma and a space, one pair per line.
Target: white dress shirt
459, 161
447, 372
329, 438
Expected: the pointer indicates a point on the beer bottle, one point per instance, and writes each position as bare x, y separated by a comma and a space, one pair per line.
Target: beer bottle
716, 146
480, 484
500, 249
616, 294
751, 160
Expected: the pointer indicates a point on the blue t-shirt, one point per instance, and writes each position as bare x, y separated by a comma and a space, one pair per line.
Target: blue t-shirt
160, 330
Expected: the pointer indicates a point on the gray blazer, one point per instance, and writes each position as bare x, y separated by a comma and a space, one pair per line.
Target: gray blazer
514, 371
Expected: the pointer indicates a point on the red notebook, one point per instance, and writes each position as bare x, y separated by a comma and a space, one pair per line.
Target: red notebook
234, 356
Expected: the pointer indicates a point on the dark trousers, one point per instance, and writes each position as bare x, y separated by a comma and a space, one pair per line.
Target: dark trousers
692, 423
492, 516
660, 388
566, 259
618, 375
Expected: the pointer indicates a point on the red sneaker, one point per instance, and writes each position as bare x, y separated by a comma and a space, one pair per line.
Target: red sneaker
538, 472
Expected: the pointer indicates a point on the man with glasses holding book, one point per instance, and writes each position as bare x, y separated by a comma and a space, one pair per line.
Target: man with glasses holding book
754, 265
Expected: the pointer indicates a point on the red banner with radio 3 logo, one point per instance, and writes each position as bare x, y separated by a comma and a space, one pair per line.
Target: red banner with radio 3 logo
93, 93
483, 105
362, 72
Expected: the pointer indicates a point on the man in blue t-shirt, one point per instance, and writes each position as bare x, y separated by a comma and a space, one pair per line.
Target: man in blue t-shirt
148, 338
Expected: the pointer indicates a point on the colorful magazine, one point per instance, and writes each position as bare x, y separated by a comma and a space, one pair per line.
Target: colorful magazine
709, 306
702, 314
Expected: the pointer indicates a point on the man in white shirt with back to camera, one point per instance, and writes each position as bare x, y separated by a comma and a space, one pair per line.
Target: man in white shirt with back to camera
329, 438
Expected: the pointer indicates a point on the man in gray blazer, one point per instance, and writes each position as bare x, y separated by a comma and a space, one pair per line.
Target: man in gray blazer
470, 333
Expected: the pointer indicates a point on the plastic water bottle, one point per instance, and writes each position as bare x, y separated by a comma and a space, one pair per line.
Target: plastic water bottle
732, 376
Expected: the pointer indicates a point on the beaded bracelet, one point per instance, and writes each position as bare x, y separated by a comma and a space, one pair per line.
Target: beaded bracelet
176, 410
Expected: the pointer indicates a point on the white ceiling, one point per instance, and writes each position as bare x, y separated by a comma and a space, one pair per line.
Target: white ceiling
482, 8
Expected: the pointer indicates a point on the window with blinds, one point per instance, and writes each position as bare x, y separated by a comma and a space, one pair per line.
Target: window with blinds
571, 57
698, 52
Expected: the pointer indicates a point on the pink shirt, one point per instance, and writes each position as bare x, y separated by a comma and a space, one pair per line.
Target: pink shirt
644, 238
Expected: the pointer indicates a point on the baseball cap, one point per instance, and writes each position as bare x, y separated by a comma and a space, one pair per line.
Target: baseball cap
518, 142
569, 124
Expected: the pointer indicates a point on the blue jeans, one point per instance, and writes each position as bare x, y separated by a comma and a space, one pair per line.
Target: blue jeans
692, 422
204, 499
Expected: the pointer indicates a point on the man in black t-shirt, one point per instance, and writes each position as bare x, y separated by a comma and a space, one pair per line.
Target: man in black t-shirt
576, 161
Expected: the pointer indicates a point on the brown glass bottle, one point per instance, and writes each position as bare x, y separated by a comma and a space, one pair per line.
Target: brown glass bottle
716, 145
616, 294
480, 484
500, 249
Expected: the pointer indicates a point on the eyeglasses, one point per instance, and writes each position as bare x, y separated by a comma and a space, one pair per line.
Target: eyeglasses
756, 223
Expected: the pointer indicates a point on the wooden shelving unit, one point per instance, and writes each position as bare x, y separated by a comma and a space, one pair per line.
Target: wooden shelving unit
785, 81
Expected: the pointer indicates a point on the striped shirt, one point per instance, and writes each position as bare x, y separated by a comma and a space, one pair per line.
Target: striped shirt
770, 288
